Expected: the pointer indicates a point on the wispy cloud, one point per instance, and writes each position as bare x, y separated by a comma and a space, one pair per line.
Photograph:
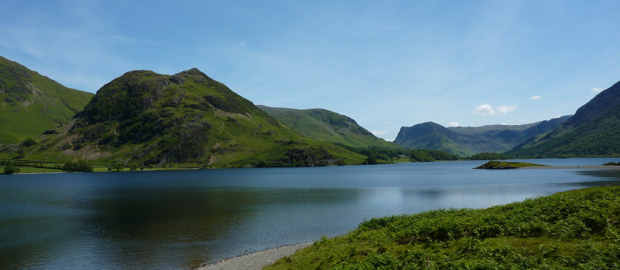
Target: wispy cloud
379, 133
503, 109
535, 97
387, 122
242, 44
596, 90
453, 124
486, 109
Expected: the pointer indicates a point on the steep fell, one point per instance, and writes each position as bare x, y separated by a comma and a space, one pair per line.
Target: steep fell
594, 130
31, 103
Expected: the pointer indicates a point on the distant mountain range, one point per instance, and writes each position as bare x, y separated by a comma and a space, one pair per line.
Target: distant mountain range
144, 118
594, 130
327, 126
466, 141
31, 103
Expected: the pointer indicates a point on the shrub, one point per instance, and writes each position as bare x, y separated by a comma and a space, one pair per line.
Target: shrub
79, 166
10, 168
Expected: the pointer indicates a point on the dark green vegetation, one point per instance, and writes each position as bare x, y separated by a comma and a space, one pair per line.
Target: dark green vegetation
184, 120
612, 164
385, 155
490, 156
327, 126
592, 131
9, 168
467, 141
31, 103
569, 230
79, 166
506, 165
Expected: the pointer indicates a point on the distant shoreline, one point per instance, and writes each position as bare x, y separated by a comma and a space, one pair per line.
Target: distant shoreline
571, 167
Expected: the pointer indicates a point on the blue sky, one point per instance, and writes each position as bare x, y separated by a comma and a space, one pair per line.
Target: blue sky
385, 64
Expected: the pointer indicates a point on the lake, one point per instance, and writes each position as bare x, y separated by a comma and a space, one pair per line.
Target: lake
183, 219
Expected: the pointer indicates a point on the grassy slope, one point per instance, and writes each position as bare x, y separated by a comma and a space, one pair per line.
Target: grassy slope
144, 118
31, 103
328, 126
569, 230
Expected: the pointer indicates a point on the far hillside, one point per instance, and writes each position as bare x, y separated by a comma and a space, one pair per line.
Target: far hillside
31, 103
594, 130
327, 126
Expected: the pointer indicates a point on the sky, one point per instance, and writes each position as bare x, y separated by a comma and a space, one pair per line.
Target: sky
386, 64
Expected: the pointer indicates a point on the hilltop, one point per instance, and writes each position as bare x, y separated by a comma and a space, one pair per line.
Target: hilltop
328, 126
143, 118
31, 103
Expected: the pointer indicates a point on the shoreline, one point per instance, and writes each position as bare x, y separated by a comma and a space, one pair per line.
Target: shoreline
605, 167
256, 260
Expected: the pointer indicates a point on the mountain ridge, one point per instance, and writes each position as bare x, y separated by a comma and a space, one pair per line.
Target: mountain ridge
471, 140
591, 131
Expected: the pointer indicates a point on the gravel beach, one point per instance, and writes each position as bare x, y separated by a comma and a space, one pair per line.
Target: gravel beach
256, 260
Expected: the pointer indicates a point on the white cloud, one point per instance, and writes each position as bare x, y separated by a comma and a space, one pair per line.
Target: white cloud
453, 124
387, 122
242, 43
503, 109
379, 133
596, 90
486, 109
535, 97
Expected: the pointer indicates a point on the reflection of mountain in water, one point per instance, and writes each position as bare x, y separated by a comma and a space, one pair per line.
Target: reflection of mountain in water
612, 178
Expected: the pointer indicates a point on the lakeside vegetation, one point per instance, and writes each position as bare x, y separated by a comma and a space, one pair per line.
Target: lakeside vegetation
506, 165
569, 230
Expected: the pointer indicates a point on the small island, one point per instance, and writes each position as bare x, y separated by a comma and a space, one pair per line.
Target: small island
495, 165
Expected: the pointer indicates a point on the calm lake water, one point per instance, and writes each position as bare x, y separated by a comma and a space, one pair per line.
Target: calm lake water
182, 219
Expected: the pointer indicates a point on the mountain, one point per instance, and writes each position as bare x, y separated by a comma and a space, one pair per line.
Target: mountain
145, 118
466, 141
327, 126
31, 103
594, 130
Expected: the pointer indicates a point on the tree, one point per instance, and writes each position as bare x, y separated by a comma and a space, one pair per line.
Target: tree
79, 166
10, 168
118, 166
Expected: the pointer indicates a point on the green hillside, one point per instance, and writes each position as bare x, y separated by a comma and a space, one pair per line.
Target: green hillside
594, 130
188, 119
31, 103
328, 126
467, 141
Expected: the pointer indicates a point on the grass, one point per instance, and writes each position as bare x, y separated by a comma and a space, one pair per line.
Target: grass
569, 230
506, 165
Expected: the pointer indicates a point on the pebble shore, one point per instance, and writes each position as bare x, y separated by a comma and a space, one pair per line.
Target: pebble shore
256, 260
